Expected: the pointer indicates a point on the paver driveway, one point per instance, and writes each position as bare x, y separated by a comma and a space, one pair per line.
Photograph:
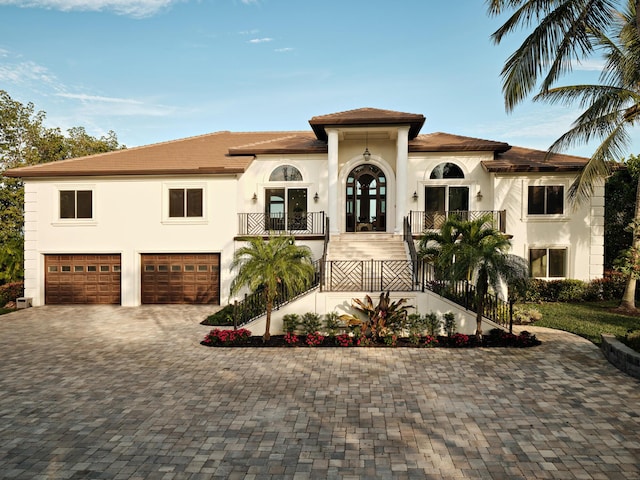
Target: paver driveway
113, 392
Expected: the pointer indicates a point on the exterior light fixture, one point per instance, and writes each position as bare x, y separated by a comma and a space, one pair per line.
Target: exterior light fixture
316, 197
366, 154
479, 195
255, 197
415, 196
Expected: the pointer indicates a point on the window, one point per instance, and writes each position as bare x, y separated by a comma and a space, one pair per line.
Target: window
185, 202
446, 170
76, 204
546, 200
547, 262
285, 173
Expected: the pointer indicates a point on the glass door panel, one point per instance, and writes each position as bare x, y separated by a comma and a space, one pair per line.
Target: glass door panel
297, 208
274, 209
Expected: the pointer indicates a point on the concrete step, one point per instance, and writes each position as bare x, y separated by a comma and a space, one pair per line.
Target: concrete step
366, 247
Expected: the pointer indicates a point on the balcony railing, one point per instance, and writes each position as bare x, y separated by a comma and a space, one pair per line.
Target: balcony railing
422, 221
292, 223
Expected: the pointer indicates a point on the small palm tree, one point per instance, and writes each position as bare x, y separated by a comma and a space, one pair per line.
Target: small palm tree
475, 251
270, 264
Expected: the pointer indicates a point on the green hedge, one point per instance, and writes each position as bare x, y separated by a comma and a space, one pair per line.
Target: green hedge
568, 290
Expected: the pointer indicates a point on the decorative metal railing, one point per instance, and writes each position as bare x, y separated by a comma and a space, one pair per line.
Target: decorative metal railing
408, 238
292, 223
254, 305
421, 221
464, 294
368, 276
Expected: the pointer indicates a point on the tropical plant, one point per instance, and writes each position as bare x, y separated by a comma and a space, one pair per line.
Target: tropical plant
449, 324
310, 323
272, 264
570, 31
332, 323
290, 322
475, 251
382, 319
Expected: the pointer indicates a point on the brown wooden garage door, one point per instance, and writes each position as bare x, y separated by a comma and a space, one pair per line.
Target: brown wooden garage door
82, 279
181, 278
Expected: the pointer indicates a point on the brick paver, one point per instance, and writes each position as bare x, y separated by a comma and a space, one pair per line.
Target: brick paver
128, 393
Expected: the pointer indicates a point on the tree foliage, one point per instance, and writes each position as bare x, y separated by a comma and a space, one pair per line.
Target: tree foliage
24, 141
268, 264
473, 250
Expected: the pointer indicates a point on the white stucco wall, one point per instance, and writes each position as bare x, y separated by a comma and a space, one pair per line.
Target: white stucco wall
129, 219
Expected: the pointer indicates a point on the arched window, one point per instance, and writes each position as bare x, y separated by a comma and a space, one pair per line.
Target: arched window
285, 173
446, 170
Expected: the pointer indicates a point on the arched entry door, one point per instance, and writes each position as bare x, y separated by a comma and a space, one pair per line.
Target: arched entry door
366, 205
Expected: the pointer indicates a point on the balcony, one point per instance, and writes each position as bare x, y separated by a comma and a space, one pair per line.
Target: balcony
423, 221
309, 224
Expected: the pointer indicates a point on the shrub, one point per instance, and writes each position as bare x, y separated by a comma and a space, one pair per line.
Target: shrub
291, 338
525, 316
459, 340
632, 340
450, 326
415, 326
310, 323
314, 339
9, 292
430, 341
391, 340
290, 322
332, 323
571, 290
434, 324
610, 287
344, 340
226, 337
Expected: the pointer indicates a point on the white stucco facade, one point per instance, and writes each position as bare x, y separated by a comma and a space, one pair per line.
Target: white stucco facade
130, 211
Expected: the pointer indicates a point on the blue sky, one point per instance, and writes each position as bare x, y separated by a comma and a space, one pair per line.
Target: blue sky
157, 70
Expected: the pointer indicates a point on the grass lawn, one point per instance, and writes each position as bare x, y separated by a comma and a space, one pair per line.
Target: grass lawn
587, 319
6, 310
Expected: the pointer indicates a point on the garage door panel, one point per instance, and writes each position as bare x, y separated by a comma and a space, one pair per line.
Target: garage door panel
82, 279
180, 278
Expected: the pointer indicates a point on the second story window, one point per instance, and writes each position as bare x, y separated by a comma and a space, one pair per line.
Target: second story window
76, 204
185, 202
545, 200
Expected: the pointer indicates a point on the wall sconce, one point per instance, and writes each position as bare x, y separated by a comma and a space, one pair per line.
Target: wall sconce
479, 195
255, 197
415, 196
316, 197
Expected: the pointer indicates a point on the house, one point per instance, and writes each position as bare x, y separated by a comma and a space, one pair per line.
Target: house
160, 223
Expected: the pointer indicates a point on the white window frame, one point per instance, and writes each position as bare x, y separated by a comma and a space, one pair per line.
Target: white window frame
545, 217
167, 186
58, 221
546, 247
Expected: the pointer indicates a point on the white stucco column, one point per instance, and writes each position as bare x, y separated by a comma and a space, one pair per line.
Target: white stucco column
402, 158
332, 181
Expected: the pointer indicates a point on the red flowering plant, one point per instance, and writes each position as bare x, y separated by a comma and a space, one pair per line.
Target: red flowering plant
224, 338
291, 338
344, 340
314, 339
459, 340
430, 341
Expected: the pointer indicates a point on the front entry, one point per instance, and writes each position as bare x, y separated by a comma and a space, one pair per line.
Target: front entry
366, 203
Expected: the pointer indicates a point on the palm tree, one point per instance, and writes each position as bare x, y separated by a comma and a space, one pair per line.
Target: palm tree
271, 264
473, 250
568, 31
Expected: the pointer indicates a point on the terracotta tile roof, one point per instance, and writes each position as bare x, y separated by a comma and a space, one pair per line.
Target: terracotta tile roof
366, 116
519, 159
296, 142
232, 152
445, 142
204, 154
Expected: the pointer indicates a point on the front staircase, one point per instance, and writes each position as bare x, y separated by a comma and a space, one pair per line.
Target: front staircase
367, 262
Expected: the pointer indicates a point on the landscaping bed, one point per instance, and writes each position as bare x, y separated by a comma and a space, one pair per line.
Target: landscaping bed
244, 338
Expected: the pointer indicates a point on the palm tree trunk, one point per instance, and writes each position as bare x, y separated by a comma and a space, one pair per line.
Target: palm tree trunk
479, 312
629, 296
267, 332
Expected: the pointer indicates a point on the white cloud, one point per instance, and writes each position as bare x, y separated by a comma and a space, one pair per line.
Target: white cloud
286, 49
26, 72
134, 8
96, 98
261, 40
